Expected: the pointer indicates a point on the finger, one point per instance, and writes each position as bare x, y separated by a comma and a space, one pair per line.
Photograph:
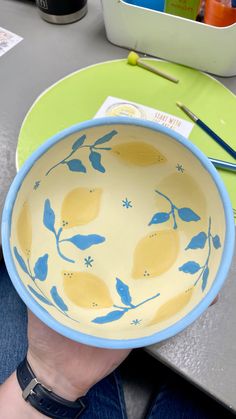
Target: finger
215, 300
36, 326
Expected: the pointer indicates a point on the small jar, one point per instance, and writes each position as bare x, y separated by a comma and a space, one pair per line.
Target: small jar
62, 11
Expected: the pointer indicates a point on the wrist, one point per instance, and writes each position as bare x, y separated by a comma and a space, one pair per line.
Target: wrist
12, 404
55, 379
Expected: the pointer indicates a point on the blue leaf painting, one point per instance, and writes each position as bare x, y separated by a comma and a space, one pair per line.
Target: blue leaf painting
39, 296
198, 241
216, 242
20, 261
84, 242
41, 268
49, 216
106, 138
78, 143
159, 217
105, 148
123, 291
76, 165
95, 159
57, 299
205, 278
186, 214
190, 267
110, 317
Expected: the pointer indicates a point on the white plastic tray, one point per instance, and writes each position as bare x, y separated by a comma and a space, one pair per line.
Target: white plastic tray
173, 38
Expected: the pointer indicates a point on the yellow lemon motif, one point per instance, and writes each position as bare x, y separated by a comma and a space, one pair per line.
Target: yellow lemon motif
155, 254
138, 153
24, 229
80, 206
86, 290
172, 307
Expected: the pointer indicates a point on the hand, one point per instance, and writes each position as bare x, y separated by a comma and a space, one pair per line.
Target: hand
215, 300
69, 368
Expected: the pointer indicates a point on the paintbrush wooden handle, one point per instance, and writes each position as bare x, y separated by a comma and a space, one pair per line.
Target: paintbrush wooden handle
156, 71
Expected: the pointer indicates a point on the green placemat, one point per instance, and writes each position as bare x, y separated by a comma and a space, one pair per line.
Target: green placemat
79, 96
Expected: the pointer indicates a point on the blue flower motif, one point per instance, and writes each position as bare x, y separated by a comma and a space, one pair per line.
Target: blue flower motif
135, 322
180, 168
88, 262
37, 184
126, 203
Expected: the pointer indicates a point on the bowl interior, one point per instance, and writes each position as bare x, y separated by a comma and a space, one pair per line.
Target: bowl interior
117, 231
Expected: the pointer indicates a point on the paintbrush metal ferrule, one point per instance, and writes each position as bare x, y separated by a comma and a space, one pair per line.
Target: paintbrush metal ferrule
224, 165
187, 111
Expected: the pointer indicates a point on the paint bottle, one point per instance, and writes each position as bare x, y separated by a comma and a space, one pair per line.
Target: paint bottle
219, 13
184, 8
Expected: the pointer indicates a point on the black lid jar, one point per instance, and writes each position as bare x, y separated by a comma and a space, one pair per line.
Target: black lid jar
62, 11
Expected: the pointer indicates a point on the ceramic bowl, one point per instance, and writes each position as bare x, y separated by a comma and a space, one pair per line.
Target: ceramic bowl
118, 233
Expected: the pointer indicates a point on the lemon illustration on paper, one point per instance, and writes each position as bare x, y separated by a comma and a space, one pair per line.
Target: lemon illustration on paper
80, 206
86, 290
155, 254
126, 109
172, 307
138, 153
24, 229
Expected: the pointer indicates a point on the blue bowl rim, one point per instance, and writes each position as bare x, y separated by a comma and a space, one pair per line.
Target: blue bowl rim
91, 340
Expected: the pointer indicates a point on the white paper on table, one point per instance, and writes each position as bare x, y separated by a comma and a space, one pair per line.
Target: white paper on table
8, 40
118, 107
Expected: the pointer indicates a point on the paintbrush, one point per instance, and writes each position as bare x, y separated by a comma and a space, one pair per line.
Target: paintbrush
208, 130
134, 59
225, 165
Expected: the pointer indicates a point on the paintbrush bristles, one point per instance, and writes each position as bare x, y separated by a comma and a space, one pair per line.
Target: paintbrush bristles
190, 114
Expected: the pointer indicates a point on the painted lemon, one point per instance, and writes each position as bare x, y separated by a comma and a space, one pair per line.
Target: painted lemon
24, 229
80, 206
155, 254
138, 153
86, 290
172, 307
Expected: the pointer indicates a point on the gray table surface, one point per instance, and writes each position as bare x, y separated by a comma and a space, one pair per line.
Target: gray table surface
205, 353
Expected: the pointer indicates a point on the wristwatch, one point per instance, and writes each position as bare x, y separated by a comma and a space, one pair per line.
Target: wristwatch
43, 399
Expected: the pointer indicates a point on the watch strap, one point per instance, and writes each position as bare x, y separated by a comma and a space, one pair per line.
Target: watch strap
43, 399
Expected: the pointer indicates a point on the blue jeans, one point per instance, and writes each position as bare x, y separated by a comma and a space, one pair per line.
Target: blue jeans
105, 399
